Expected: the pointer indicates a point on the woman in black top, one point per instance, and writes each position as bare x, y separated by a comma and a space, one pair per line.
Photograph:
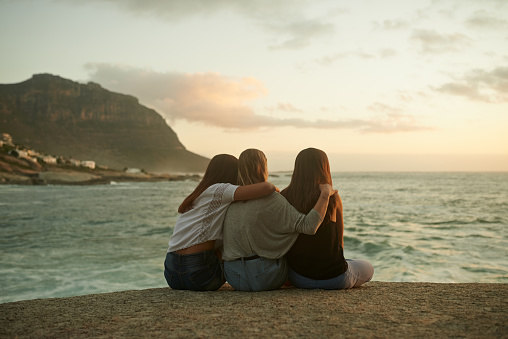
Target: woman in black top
317, 261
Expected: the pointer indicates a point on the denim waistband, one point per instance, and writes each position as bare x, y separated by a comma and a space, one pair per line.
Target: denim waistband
191, 258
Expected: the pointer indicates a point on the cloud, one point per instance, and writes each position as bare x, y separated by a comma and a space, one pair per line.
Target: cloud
391, 25
482, 19
329, 60
380, 107
387, 53
480, 85
286, 107
286, 20
407, 96
431, 42
179, 9
210, 98
392, 120
394, 123
221, 101
298, 34
498, 3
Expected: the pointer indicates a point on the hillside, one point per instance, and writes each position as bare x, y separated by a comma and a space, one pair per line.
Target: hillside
87, 122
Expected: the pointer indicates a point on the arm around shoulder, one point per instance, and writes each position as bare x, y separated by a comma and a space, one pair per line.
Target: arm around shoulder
254, 191
322, 203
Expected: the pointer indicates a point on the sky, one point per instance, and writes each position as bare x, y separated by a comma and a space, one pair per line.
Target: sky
391, 85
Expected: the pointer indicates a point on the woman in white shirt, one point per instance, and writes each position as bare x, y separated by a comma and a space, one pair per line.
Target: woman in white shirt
193, 260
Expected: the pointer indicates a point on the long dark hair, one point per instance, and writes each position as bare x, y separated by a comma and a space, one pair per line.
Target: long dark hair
311, 169
223, 168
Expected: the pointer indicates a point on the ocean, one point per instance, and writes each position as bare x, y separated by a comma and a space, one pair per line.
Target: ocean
59, 241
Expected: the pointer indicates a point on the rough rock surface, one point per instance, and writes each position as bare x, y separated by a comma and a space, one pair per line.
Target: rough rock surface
375, 310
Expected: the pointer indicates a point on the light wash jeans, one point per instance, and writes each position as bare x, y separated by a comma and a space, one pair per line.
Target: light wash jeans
256, 275
358, 272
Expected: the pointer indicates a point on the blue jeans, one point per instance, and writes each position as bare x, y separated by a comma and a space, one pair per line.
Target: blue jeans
256, 275
202, 271
358, 272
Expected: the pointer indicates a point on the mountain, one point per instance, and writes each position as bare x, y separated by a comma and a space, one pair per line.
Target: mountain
87, 122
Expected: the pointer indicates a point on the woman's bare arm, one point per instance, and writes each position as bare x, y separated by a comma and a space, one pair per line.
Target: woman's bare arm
254, 191
322, 203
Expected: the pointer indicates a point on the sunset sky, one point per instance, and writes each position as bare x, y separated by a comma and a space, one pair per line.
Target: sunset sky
391, 85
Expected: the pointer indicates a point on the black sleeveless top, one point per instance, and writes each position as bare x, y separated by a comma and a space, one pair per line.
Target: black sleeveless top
319, 256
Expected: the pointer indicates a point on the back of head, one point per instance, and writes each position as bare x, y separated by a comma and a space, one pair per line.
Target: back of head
311, 169
252, 167
223, 168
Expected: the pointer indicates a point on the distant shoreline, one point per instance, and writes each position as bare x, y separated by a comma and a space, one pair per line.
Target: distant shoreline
77, 178
14, 171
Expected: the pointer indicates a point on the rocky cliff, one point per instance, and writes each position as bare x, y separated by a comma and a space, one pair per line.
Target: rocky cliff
87, 122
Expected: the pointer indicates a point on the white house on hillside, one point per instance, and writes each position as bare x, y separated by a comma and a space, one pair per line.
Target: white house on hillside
49, 159
75, 162
90, 164
6, 137
22, 154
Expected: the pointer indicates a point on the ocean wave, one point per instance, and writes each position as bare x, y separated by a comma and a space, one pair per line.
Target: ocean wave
446, 222
476, 235
486, 269
408, 249
469, 221
157, 231
406, 189
454, 202
352, 241
492, 220
431, 238
372, 248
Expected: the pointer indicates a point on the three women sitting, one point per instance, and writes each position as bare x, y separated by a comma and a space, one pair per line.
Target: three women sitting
268, 237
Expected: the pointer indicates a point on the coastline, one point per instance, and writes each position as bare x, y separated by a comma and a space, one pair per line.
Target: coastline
69, 177
15, 171
375, 310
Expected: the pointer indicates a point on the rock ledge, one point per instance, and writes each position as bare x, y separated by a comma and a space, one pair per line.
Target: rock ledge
375, 310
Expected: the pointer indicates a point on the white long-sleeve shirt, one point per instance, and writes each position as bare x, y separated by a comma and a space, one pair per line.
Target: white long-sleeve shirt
204, 221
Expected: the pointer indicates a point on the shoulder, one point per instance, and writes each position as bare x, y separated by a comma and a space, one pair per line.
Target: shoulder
275, 200
223, 192
220, 187
259, 204
271, 198
276, 196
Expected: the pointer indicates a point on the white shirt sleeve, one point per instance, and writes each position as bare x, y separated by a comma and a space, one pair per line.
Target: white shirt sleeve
229, 193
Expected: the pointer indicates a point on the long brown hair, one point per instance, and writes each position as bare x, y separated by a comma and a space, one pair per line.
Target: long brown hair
223, 168
311, 169
252, 167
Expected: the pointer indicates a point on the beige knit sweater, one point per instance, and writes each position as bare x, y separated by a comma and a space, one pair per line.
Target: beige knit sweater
266, 226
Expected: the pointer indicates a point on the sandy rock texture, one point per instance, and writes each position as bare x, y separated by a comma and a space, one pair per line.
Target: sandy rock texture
375, 310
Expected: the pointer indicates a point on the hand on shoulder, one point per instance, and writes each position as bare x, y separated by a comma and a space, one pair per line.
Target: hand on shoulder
327, 190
